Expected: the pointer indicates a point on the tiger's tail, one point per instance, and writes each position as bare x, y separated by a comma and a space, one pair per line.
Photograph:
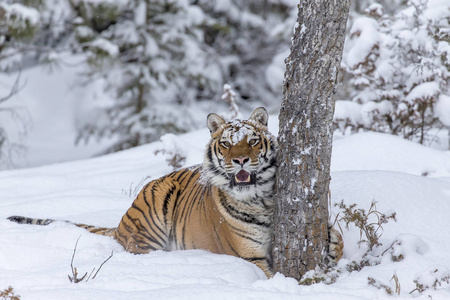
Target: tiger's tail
44, 222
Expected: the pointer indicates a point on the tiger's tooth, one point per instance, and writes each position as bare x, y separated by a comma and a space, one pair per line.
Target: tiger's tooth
239, 181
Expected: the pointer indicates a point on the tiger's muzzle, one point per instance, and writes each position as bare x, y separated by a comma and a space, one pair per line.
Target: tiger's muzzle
243, 178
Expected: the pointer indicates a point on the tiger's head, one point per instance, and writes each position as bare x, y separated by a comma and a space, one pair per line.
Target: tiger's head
240, 157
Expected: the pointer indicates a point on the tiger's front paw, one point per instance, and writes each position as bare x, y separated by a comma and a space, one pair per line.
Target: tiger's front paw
335, 246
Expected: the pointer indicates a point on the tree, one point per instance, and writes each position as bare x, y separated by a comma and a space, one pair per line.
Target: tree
162, 62
148, 67
396, 66
33, 33
13, 120
305, 137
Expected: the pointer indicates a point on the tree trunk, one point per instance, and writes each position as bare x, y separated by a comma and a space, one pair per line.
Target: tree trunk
305, 137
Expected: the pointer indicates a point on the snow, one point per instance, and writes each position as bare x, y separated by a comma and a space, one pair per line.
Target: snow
353, 113
239, 134
35, 260
20, 13
367, 31
375, 151
442, 109
348, 110
50, 100
106, 46
275, 71
401, 176
423, 91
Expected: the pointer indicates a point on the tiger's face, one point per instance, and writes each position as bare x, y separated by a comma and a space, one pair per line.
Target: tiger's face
240, 158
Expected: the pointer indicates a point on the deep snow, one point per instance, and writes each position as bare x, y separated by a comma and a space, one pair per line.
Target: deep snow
35, 260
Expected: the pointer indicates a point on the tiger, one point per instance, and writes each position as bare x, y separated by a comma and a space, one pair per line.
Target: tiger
224, 205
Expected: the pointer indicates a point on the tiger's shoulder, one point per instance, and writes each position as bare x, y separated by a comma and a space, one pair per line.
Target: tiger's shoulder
188, 177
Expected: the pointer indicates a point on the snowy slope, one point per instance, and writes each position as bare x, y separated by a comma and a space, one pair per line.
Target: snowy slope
35, 260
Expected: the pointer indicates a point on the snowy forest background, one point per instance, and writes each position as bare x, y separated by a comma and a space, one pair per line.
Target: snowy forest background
117, 74
80, 78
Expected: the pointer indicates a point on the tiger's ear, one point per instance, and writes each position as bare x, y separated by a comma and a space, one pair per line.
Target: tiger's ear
214, 122
260, 115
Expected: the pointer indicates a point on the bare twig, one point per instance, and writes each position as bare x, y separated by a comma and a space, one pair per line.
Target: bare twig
14, 90
112, 253
360, 218
134, 190
397, 284
379, 285
229, 95
75, 278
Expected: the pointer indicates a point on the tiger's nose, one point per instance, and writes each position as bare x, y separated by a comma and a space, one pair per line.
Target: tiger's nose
241, 160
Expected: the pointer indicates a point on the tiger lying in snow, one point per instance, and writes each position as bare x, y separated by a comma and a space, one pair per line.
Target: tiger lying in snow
224, 206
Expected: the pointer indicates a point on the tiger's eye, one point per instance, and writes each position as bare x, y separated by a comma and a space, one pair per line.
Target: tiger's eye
253, 142
225, 144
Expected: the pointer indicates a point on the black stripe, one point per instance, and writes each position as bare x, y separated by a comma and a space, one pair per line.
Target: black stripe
119, 235
148, 247
155, 185
206, 195
269, 166
188, 207
266, 181
209, 153
146, 217
30, 221
266, 146
179, 215
146, 236
180, 173
255, 258
249, 238
166, 202
241, 216
144, 231
241, 232
231, 247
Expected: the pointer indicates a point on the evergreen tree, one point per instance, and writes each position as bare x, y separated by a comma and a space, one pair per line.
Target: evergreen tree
147, 56
162, 61
33, 33
158, 62
397, 67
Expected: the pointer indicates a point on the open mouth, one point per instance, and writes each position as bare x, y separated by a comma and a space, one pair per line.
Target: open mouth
243, 178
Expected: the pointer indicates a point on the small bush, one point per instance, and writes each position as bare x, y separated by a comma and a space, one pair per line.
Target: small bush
381, 286
369, 223
173, 159
229, 96
398, 82
174, 151
8, 294
432, 278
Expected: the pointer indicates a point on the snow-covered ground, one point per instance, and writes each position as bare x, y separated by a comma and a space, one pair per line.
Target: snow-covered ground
35, 260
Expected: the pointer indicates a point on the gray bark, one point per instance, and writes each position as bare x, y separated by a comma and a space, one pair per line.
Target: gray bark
305, 137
